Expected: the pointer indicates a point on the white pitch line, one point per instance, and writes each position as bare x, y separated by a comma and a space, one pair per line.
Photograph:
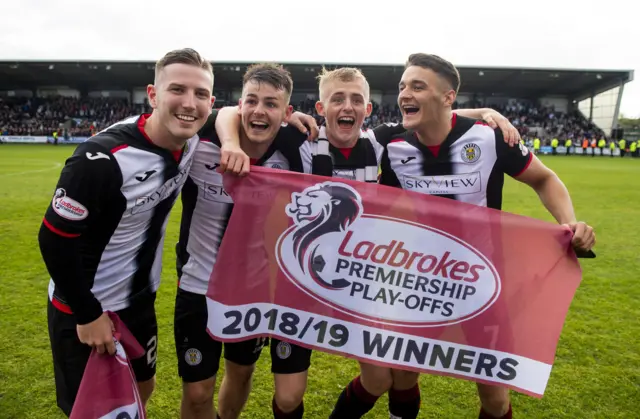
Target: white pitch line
57, 166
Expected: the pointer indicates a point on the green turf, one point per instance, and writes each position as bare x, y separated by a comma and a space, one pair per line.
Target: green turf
597, 369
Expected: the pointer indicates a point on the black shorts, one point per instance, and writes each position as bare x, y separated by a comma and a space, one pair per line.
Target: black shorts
287, 358
198, 353
70, 356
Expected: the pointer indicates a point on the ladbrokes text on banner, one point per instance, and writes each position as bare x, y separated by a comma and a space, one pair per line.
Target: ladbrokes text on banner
393, 278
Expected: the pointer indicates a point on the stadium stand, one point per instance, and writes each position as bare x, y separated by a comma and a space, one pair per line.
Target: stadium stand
76, 99
84, 116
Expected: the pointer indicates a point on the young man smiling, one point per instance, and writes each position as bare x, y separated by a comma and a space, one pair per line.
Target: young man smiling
263, 108
342, 150
442, 144
101, 237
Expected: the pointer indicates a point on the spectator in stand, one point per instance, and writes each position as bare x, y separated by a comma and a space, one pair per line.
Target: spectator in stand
76, 117
83, 117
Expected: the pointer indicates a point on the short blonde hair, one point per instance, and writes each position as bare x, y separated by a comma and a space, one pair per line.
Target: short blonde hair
343, 74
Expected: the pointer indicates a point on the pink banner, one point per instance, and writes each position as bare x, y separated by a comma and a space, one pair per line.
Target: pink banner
393, 278
108, 389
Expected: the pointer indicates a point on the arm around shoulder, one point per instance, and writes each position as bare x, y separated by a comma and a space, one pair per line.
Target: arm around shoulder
228, 126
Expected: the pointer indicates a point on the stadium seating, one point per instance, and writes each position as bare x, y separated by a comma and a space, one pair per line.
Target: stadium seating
82, 117
77, 117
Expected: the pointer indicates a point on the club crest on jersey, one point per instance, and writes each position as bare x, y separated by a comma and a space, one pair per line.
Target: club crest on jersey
470, 153
377, 267
67, 207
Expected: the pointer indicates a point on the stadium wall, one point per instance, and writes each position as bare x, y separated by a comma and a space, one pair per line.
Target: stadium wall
139, 96
123, 94
39, 139
604, 109
559, 104
57, 91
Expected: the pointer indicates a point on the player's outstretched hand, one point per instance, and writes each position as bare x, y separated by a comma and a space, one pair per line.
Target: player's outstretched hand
496, 120
234, 160
305, 123
98, 334
583, 236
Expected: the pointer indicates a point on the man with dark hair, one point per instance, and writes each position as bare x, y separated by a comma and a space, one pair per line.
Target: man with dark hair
441, 66
343, 150
262, 109
101, 237
443, 145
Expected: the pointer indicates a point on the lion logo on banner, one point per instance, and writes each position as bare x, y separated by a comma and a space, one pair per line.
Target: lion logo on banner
318, 210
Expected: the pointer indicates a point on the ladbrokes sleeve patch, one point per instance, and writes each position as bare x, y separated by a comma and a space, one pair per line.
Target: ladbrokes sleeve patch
67, 207
83, 187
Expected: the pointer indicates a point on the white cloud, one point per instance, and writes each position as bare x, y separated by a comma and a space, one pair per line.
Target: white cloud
590, 34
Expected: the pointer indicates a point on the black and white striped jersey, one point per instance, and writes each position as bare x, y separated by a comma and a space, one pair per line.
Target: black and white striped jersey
103, 233
468, 166
360, 162
206, 206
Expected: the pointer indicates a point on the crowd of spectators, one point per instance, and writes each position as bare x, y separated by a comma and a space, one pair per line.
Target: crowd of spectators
68, 116
547, 123
84, 116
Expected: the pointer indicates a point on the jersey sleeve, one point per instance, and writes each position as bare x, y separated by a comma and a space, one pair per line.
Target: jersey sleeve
86, 184
513, 160
388, 176
307, 150
293, 135
292, 144
377, 146
208, 130
386, 132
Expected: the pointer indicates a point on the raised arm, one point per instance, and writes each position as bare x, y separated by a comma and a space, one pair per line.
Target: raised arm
495, 120
228, 126
523, 166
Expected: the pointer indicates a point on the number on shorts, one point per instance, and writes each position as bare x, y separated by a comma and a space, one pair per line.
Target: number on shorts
152, 352
260, 342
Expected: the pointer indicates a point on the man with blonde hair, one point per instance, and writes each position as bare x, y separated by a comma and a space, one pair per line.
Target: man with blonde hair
343, 150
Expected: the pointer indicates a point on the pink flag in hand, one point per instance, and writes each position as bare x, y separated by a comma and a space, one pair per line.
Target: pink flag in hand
393, 278
108, 389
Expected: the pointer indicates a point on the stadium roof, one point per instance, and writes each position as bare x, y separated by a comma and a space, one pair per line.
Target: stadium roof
576, 84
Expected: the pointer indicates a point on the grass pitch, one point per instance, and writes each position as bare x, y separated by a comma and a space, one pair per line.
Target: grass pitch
597, 368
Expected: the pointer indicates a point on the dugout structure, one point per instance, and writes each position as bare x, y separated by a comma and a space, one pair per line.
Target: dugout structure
596, 93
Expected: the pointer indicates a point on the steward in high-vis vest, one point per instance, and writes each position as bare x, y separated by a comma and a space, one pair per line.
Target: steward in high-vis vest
623, 146
554, 146
612, 146
633, 149
568, 144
